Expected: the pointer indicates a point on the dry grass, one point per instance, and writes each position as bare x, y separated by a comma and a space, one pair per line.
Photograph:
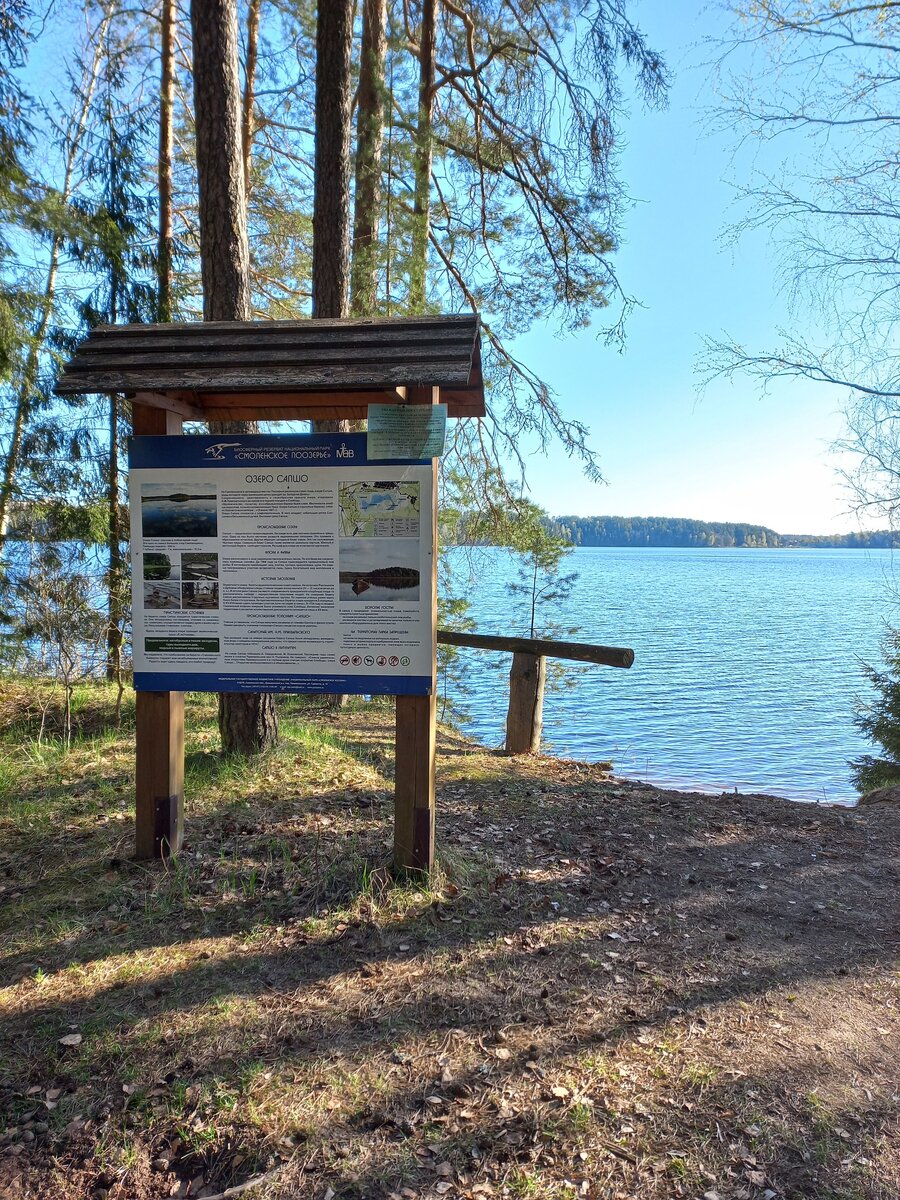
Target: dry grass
607, 990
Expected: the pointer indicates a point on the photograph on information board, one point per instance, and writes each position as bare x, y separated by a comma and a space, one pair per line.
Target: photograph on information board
168, 513
380, 570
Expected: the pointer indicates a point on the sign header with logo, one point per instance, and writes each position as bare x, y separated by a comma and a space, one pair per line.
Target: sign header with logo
260, 450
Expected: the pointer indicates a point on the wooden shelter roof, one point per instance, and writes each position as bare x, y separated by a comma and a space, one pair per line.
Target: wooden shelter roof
283, 370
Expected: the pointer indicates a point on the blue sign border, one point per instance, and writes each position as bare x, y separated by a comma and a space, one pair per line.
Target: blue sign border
310, 685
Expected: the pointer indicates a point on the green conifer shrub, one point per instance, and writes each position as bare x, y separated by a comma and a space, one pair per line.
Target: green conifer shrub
879, 720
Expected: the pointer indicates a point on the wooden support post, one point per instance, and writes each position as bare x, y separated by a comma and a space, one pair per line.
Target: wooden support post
525, 718
159, 726
416, 730
159, 773
414, 796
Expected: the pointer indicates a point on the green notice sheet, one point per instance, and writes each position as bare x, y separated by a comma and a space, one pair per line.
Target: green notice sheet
406, 431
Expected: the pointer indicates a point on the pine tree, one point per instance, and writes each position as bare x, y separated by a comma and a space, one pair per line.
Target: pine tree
126, 291
42, 452
247, 721
20, 206
879, 720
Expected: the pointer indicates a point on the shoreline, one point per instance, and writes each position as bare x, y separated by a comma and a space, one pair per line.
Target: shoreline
703, 790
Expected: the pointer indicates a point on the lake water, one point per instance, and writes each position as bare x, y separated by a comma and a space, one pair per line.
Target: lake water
163, 517
747, 664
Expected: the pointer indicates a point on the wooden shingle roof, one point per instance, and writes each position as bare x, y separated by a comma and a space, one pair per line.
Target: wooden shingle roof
276, 370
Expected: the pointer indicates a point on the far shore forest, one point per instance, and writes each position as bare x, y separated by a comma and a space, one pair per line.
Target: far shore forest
58, 522
677, 531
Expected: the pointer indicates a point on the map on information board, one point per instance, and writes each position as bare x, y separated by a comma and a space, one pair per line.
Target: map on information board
383, 508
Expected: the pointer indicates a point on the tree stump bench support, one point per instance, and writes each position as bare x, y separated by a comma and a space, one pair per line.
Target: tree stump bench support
525, 716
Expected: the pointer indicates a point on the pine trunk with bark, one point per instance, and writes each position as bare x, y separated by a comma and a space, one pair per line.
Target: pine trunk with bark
423, 149
331, 201
369, 140
224, 253
247, 721
247, 122
164, 167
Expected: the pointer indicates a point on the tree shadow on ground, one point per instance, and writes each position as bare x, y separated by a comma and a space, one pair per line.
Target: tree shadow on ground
616, 942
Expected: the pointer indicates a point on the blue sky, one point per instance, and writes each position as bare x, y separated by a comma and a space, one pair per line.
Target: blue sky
667, 449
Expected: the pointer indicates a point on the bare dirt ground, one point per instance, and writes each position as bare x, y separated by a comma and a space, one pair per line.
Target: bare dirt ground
609, 990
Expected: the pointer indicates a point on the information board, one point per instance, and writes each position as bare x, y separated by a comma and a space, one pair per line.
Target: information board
270, 563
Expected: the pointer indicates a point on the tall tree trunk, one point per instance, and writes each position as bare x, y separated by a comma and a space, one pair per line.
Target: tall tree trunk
253, 13
164, 171
24, 398
224, 253
418, 271
20, 420
331, 204
369, 138
331, 201
247, 722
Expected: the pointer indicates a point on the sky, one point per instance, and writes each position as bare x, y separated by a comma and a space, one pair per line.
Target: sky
667, 448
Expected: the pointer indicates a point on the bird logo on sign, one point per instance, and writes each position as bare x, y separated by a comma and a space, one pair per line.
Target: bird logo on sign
218, 450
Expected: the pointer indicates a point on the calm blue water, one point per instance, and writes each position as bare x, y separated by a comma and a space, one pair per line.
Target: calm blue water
747, 663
